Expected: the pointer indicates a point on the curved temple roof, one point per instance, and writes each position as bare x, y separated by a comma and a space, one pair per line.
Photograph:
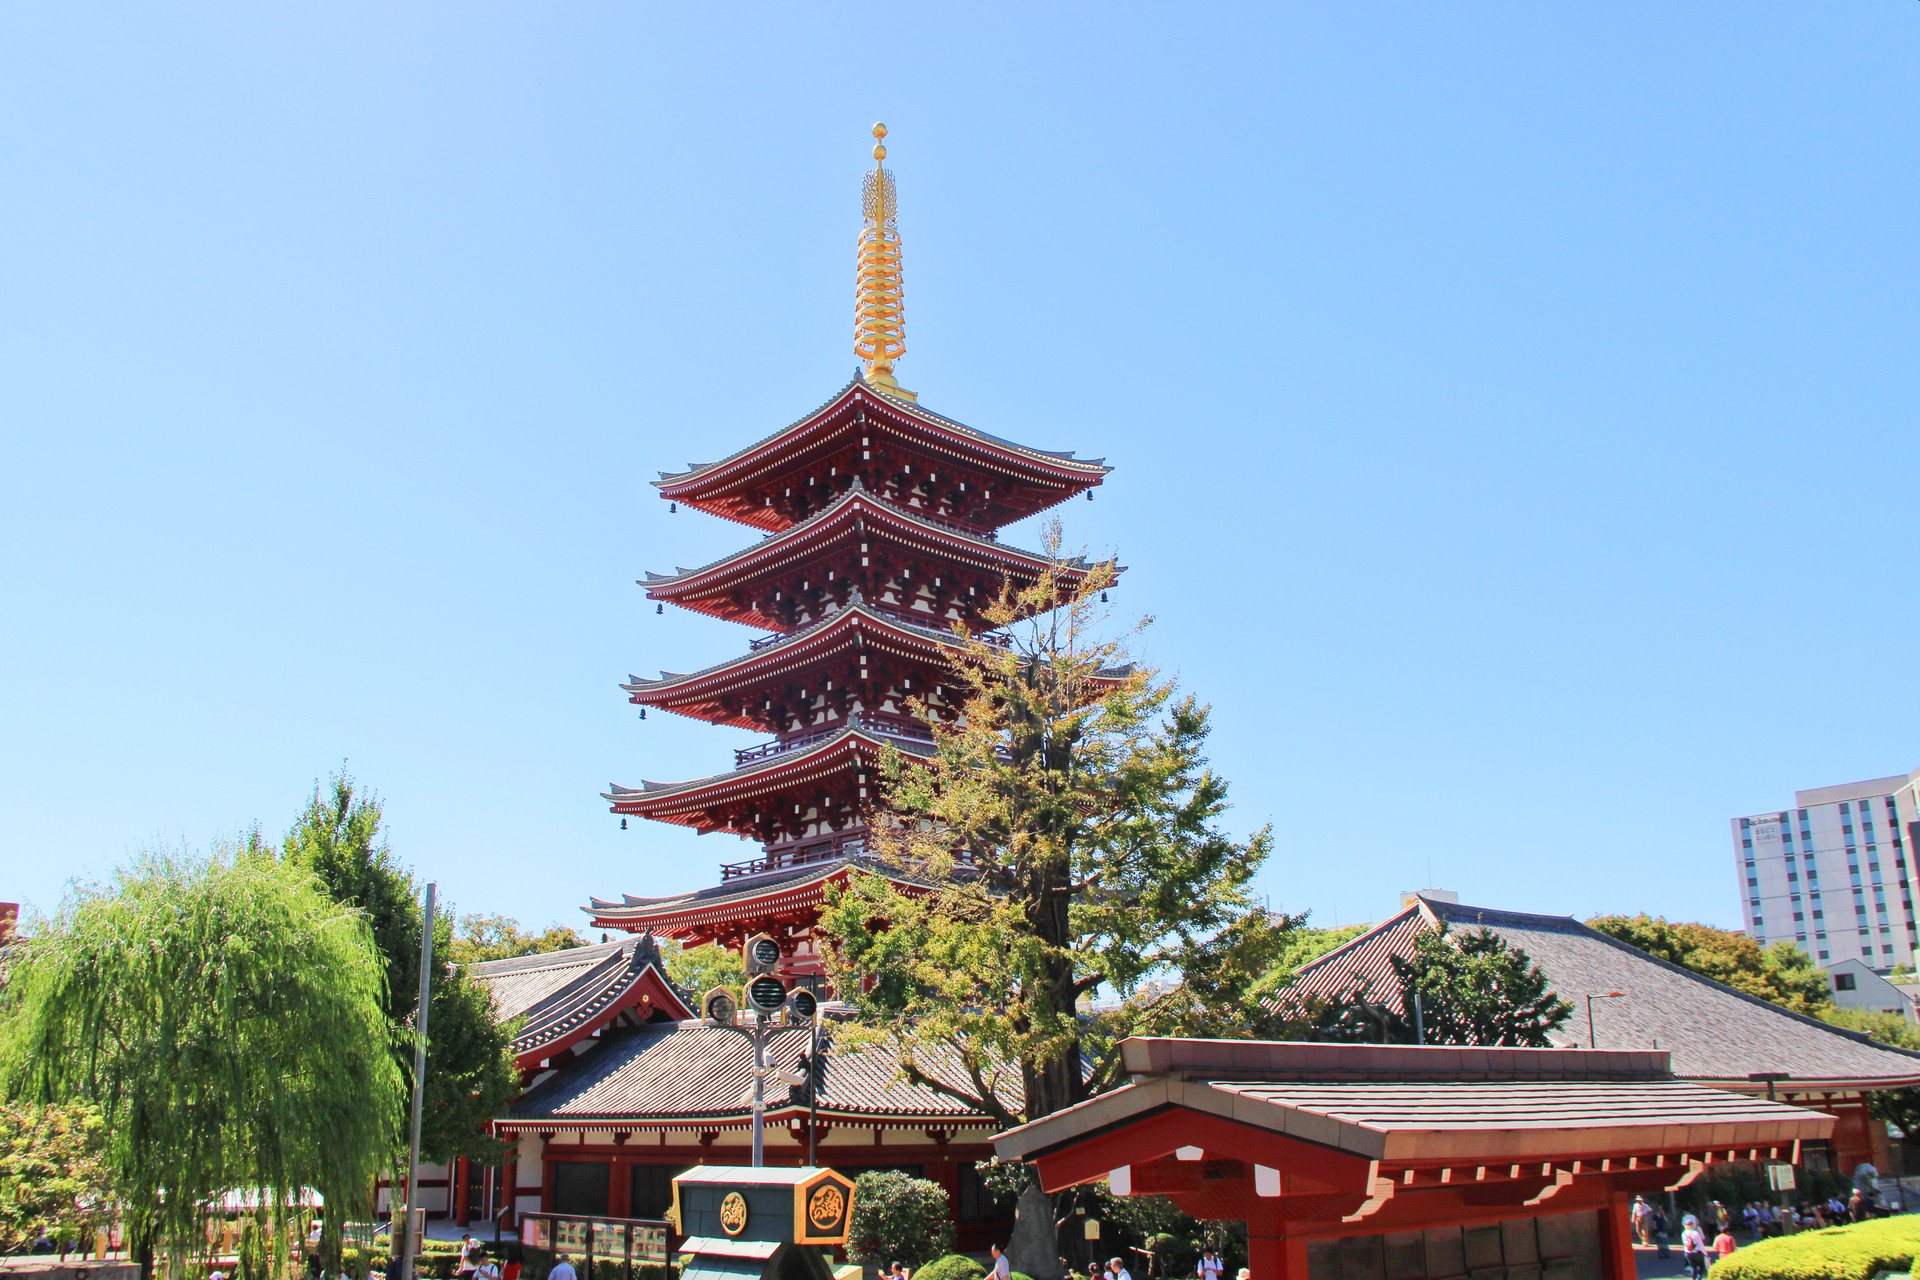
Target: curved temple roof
855, 515
1716, 1034
716, 487
687, 803
562, 997
699, 693
668, 1075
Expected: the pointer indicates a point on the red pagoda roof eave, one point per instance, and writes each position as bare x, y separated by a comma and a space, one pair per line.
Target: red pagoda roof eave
828, 755
684, 485
825, 525
821, 641
796, 898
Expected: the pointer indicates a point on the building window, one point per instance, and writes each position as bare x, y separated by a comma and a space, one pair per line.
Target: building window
1843, 982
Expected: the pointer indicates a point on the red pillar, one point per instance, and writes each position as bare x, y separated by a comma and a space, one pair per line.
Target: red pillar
461, 1202
619, 1193
1271, 1253
1616, 1240
506, 1184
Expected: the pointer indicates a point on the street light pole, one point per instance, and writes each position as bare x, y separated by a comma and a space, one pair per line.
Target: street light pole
759, 1089
408, 1247
1610, 995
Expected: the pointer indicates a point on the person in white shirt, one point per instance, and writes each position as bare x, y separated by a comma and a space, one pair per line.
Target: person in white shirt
1211, 1268
562, 1270
1117, 1269
1002, 1269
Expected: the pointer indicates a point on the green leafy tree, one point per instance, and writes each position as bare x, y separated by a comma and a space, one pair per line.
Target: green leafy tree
53, 1174
224, 1016
1303, 946
1063, 839
698, 970
898, 1218
470, 1068
1474, 988
1781, 973
480, 938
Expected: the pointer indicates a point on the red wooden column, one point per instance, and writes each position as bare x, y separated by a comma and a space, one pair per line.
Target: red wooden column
506, 1186
461, 1210
1616, 1240
1272, 1254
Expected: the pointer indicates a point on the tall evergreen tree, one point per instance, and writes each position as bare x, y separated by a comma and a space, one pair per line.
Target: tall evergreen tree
470, 1071
1474, 988
225, 1017
1065, 838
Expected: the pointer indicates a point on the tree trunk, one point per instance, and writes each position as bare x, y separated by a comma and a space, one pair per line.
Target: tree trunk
1035, 1247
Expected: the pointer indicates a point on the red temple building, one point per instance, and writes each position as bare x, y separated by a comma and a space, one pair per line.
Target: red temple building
880, 523
879, 530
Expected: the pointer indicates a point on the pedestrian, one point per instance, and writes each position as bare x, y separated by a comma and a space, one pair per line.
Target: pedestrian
1693, 1243
1002, 1269
1642, 1219
899, 1272
469, 1263
1660, 1231
1211, 1268
1117, 1269
563, 1270
1723, 1243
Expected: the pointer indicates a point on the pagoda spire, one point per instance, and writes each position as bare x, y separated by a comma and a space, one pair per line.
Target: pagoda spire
879, 333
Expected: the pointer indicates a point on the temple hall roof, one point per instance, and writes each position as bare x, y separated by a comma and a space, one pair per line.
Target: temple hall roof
562, 996
1716, 1034
687, 1074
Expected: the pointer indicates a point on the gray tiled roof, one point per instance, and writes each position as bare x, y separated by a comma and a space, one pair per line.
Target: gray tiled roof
686, 1073
1715, 1033
559, 993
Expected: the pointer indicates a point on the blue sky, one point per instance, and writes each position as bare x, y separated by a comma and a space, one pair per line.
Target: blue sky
1513, 405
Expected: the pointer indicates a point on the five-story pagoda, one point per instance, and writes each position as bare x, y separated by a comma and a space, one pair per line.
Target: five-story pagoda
880, 521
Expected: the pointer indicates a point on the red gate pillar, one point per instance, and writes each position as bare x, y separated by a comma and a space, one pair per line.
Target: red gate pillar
1616, 1240
1274, 1255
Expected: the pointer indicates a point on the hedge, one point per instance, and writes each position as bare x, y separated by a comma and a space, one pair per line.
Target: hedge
1859, 1251
955, 1266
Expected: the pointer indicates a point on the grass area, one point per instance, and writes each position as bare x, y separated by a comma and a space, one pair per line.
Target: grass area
1859, 1251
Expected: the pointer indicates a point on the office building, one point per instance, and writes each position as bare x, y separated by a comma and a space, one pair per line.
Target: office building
1835, 873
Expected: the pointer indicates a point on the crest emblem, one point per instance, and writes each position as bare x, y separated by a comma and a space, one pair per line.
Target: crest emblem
825, 1206
733, 1213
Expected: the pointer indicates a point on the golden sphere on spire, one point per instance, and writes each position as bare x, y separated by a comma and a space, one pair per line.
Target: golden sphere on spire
879, 151
879, 131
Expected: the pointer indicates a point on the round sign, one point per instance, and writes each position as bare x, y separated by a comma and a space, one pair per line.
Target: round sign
767, 994
825, 1206
733, 1213
766, 953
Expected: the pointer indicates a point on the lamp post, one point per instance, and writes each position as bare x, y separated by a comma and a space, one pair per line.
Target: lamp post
766, 996
1592, 1043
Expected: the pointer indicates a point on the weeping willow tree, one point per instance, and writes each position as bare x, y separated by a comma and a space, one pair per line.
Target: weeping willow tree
224, 1015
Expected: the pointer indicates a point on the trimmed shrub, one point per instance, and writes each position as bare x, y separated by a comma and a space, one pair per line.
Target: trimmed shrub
1856, 1252
898, 1218
955, 1266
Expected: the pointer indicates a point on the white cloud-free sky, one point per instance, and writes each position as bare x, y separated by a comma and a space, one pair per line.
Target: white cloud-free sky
1513, 405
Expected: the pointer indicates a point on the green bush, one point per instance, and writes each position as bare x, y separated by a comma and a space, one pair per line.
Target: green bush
1857, 1252
955, 1266
898, 1218
1173, 1255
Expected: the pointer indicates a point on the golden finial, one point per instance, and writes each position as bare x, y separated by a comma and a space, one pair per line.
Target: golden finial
879, 335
